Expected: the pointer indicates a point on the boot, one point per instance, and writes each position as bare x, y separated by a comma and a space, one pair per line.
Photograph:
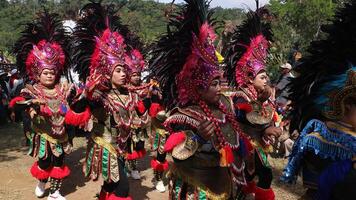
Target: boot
54, 193
159, 182
40, 188
133, 167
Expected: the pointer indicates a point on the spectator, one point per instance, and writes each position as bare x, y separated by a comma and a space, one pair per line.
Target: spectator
282, 91
4, 98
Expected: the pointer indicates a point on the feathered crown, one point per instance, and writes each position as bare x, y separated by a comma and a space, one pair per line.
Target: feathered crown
327, 74
247, 50
136, 61
184, 58
100, 41
42, 45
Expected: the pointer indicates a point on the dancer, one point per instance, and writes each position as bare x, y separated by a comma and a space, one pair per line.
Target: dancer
101, 56
42, 57
204, 135
246, 58
137, 139
324, 97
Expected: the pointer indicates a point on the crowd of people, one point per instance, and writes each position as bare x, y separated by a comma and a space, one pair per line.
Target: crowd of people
216, 114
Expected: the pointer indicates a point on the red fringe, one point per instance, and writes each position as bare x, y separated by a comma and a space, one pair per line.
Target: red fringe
114, 197
141, 107
39, 173
249, 188
157, 166
77, 119
15, 100
264, 194
244, 106
154, 109
173, 140
247, 143
59, 172
229, 154
275, 117
136, 155
104, 195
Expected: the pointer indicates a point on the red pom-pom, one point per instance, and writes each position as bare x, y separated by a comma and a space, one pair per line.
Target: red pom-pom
244, 106
141, 107
154, 109
15, 100
173, 140
157, 166
39, 173
264, 194
77, 119
59, 172
114, 197
136, 155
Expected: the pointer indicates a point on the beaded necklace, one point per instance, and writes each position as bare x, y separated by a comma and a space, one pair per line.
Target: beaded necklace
230, 118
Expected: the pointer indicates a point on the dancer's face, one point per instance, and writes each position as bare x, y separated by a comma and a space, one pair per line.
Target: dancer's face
118, 78
48, 78
260, 81
350, 112
136, 78
212, 94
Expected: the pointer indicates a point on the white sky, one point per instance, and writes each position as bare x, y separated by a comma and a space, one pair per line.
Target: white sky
229, 3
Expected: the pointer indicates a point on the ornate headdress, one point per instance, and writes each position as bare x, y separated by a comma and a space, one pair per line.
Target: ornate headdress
184, 58
42, 45
328, 74
136, 61
100, 42
247, 50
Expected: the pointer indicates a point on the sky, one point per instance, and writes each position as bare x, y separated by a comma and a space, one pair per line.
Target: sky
229, 3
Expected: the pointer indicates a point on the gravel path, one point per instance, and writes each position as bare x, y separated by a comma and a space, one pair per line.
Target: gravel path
16, 182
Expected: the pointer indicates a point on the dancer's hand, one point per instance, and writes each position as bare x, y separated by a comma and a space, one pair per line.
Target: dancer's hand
273, 131
93, 81
206, 129
38, 101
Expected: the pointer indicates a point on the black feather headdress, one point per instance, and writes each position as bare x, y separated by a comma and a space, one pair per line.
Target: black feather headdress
43, 44
324, 72
247, 49
94, 20
177, 54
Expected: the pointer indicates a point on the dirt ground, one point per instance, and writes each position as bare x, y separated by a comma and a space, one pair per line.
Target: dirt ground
16, 182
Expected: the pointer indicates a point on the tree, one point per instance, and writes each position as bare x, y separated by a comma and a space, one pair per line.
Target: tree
296, 24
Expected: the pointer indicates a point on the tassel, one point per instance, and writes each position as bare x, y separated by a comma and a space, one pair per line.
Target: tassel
15, 100
136, 155
226, 156
244, 106
158, 166
154, 109
77, 119
141, 107
173, 140
59, 172
39, 173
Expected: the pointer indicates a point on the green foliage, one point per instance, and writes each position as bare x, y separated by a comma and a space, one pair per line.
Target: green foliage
144, 17
296, 24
